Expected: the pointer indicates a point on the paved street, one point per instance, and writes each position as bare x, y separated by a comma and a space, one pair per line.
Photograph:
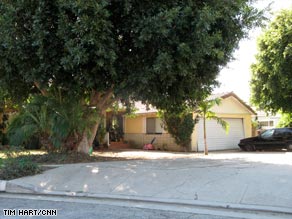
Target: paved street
257, 182
75, 208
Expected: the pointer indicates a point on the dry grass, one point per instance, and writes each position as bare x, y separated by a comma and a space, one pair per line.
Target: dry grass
24, 152
42, 157
145, 155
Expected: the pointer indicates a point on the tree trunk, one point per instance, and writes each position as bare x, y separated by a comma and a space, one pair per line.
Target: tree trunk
205, 137
87, 139
101, 101
83, 146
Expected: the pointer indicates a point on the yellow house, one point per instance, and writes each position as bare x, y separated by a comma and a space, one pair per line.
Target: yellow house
146, 125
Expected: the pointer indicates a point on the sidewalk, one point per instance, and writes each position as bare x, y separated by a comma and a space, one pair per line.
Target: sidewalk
228, 182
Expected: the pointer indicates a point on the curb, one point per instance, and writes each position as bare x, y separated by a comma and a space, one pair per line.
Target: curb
3, 185
9, 187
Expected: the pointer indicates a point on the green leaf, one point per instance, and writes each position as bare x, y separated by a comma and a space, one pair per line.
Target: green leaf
271, 73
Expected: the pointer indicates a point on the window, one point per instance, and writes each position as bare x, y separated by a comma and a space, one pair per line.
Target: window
153, 125
266, 123
283, 132
279, 132
268, 133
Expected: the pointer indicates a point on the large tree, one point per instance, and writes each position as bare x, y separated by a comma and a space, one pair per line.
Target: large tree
166, 53
271, 82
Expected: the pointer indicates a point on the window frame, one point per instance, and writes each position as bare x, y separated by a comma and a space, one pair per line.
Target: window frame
157, 130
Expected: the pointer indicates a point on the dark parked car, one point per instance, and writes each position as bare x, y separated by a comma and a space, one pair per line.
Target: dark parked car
278, 138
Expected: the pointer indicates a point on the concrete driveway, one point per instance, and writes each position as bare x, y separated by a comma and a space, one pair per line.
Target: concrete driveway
261, 180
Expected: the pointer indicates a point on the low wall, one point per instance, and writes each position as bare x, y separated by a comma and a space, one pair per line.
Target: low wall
163, 141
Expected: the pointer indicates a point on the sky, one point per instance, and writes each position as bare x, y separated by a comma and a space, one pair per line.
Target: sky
237, 74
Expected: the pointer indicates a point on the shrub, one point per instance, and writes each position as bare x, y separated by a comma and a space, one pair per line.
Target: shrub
180, 127
58, 123
3, 125
32, 144
3, 139
16, 165
32, 120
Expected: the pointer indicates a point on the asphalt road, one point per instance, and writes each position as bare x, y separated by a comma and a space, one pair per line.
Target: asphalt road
73, 208
76, 210
220, 173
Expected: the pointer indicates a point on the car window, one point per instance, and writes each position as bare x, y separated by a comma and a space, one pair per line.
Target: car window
268, 133
287, 132
279, 132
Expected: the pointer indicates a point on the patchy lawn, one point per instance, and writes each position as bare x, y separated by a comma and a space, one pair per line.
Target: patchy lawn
17, 163
42, 157
21, 163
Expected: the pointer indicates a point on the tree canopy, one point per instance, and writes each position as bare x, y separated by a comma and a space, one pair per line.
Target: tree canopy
285, 120
272, 72
165, 53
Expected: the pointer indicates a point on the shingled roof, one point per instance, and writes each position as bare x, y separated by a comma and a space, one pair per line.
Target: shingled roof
142, 108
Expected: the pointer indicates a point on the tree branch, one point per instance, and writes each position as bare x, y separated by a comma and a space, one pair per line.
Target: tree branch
44, 92
102, 100
94, 98
105, 98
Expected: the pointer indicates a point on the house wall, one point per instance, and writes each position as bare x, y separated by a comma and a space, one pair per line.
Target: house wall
163, 141
135, 128
133, 125
135, 134
272, 120
230, 105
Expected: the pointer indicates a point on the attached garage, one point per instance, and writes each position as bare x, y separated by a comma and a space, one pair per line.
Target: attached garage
234, 111
217, 138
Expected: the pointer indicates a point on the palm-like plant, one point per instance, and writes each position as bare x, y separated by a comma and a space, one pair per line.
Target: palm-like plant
33, 120
204, 111
69, 121
58, 122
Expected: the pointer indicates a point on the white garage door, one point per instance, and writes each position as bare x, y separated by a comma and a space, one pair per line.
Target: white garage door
217, 139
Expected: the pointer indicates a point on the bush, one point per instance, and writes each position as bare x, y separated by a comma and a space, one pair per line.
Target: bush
180, 127
32, 144
58, 123
3, 125
16, 166
3, 139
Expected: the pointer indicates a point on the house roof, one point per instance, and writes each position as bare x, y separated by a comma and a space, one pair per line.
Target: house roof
142, 108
